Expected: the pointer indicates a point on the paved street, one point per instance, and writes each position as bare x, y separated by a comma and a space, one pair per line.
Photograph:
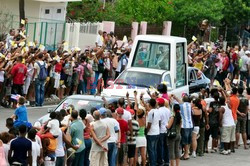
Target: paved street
240, 158
33, 114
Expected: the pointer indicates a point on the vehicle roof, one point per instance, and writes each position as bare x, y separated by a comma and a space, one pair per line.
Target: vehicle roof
161, 38
90, 97
146, 70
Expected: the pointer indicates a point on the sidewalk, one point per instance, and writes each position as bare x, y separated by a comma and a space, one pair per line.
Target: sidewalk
239, 158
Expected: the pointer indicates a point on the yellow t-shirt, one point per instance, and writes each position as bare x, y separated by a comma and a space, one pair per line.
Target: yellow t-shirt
199, 65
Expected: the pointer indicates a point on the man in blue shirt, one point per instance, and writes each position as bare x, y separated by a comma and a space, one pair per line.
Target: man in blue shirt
20, 147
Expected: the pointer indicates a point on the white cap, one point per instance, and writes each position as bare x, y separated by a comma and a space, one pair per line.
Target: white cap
247, 52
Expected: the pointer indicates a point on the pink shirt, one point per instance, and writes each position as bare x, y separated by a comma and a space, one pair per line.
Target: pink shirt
81, 71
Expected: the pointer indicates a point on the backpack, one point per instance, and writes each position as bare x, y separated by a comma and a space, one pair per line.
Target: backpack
123, 57
87, 73
43, 72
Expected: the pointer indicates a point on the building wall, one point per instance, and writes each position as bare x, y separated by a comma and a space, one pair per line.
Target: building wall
34, 10
12, 7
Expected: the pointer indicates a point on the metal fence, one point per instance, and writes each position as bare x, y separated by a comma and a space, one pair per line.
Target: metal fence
48, 32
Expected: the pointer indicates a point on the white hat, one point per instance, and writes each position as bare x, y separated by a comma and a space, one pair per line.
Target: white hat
247, 52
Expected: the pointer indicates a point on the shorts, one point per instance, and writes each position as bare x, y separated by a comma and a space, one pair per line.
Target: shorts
131, 150
17, 89
241, 126
213, 131
141, 142
186, 136
196, 130
228, 134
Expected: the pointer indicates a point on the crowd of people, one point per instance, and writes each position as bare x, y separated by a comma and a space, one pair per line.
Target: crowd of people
28, 69
219, 62
161, 130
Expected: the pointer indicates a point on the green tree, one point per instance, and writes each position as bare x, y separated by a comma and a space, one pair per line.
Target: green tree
190, 12
236, 12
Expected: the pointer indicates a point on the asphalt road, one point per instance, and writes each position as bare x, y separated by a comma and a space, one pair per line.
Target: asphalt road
240, 158
33, 114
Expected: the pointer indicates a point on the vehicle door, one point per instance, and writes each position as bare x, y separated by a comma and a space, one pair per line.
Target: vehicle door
193, 85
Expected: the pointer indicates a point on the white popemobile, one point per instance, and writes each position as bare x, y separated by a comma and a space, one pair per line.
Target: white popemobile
153, 59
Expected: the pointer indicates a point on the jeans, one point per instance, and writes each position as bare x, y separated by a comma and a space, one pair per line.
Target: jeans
152, 141
94, 86
79, 159
79, 87
162, 149
112, 153
39, 88
59, 161
88, 144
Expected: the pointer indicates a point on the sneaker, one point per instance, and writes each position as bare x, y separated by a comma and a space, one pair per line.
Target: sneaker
194, 154
248, 142
213, 151
225, 152
229, 151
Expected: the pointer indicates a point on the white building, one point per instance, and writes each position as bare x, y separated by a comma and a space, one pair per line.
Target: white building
46, 19
37, 10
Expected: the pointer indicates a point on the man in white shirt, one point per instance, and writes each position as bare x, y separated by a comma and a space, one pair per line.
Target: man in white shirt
114, 129
153, 131
99, 39
162, 147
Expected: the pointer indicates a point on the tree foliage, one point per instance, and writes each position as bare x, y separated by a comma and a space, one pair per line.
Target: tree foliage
188, 12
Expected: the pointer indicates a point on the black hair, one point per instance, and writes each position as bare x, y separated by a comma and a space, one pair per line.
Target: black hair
222, 100
63, 112
92, 110
40, 55
240, 90
22, 129
212, 91
59, 116
52, 115
234, 90
216, 96
177, 109
121, 102
152, 103
32, 133
162, 88
74, 114
197, 103
83, 113
9, 122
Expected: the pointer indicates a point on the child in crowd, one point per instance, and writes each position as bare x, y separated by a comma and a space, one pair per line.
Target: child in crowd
20, 114
35, 147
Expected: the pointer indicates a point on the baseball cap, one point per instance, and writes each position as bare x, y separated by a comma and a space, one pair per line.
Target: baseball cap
119, 111
247, 52
160, 101
131, 111
102, 110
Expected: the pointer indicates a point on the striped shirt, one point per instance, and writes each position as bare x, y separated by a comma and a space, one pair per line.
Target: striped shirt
186, 115
135, 126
